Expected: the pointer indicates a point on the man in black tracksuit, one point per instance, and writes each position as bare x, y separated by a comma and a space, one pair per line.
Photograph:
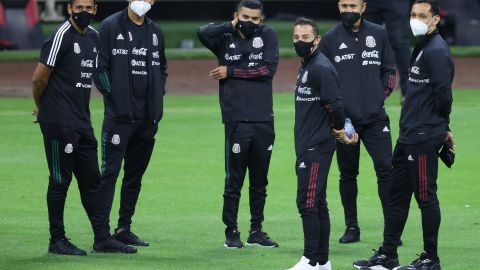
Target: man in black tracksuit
247, 55
395, 16
361, 53
61, 88
131, 76
318, 113
424, 128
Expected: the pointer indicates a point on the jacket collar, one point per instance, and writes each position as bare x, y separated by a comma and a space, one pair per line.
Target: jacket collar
422, 42
307, 60
349, 29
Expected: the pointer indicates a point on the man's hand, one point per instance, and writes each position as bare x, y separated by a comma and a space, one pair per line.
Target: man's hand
341, 136
35, 113
218, 73
449, 138
234, 23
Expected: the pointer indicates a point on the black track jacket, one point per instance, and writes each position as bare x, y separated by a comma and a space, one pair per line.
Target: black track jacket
366, 66
114, 73
318, 105
246, 93
428, 96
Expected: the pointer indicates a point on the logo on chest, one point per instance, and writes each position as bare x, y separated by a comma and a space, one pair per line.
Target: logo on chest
257, 42
235, 57
370, 42
415, 70
344, 57
305, 77
76, 48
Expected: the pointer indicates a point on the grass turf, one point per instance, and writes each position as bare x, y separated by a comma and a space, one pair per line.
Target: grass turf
179, 210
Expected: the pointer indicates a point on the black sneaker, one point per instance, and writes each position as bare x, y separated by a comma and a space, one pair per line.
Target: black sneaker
351, 235
378, 261
111, 245
129, 238
233, 239
260, 238
65, 247
422, 263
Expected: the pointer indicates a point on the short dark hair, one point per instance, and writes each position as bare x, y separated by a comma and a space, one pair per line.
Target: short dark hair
72, 1
305, 21
251, 4
434, 9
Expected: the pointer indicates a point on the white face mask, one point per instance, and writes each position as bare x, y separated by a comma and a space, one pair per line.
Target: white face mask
419, 28
140, 7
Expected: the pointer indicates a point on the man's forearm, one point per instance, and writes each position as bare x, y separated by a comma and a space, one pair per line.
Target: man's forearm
38, 88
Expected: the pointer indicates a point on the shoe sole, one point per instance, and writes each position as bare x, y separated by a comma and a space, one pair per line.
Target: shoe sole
133, 244
258, 245
351, 242
376, 267
225, 245
66, 254
112, 251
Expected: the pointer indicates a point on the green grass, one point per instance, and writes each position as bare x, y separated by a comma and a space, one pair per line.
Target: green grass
176, 31
179, 210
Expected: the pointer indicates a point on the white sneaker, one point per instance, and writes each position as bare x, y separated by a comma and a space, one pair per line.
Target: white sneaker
327, 266
303, 265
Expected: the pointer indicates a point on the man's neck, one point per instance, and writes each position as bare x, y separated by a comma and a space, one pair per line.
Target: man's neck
135, 18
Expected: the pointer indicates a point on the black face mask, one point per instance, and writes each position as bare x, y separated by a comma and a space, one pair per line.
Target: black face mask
350, 18
248, 28
303, 48
82, 19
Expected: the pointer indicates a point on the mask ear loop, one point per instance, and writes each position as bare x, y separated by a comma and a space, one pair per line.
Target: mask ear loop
314, 45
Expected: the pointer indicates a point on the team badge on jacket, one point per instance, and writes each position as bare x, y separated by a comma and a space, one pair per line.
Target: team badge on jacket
370, 42
236, 148
68, 148
155, 40
305, 77
76, 48
116, 139
257, 42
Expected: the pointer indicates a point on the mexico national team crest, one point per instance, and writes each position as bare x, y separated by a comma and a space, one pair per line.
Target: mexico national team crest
76, 48
116, 139
236, 148
305, 77
370, 42
155, 40
68, 148
257, 42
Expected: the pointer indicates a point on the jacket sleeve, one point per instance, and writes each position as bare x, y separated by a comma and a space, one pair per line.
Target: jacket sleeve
324, 47
163, 63
388, 70
442, 71
211, 35
102, 76
266, 67
327, 81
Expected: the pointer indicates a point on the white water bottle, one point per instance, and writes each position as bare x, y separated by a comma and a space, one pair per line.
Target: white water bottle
349, 129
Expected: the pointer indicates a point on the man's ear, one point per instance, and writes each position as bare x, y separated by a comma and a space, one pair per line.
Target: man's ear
318, 39
235, 15
95, 10
69, 9
364, 7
